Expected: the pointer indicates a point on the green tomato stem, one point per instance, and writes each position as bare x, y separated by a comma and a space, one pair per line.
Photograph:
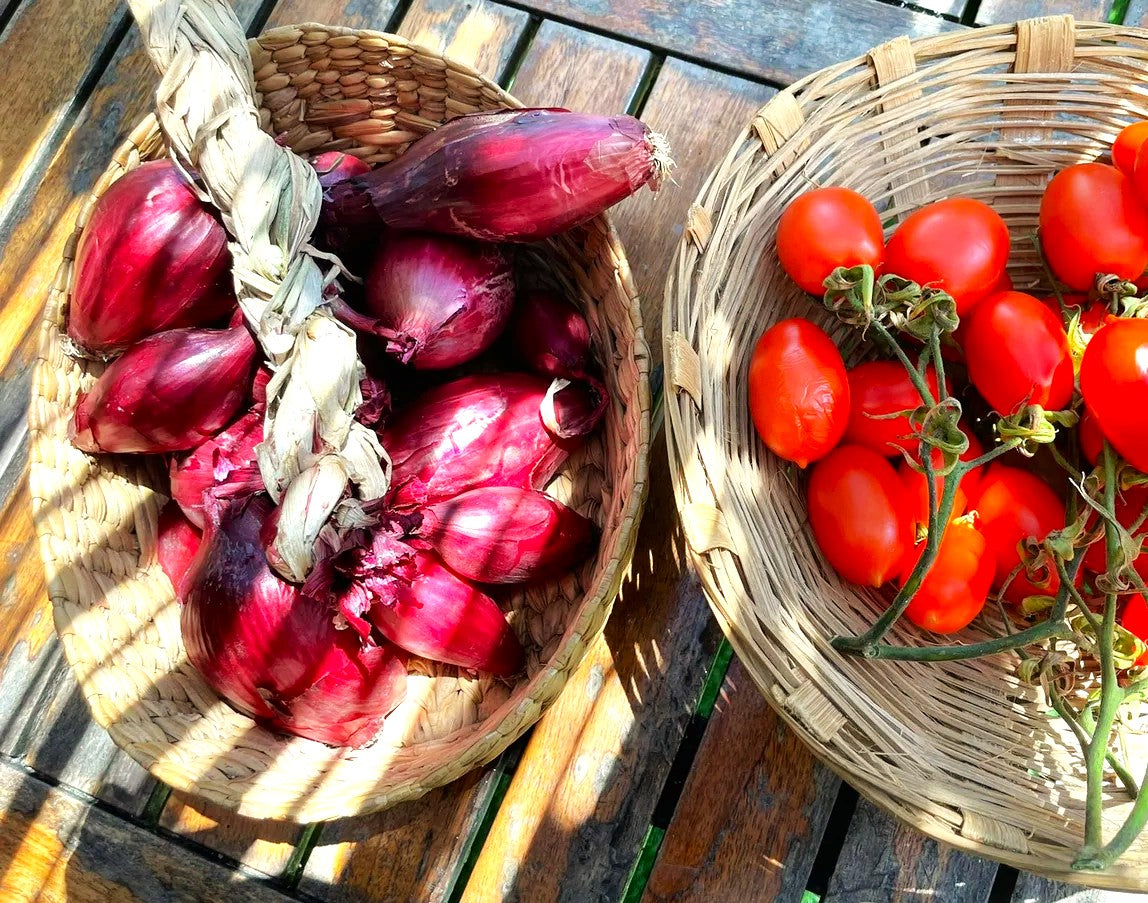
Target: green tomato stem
919, 383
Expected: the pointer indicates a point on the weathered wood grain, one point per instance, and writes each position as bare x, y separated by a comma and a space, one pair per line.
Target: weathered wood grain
411, 852
752, 811
1031, 888
995, 12
776, 40
882, 859
562, 59
701, 112
952, 8
42, 714
480, 34
54, 848
1137, 13
576, 811
50, 51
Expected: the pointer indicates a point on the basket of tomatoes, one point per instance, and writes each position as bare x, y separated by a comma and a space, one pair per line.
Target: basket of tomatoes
907, 346
340, 422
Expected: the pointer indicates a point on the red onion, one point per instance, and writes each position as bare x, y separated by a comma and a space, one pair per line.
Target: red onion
550, 335
224, 465
168, 393
152, 257
177, 541
442, 617
511, 175
502, 534
273, 652
453, 297
335, 166
376, 406
502, 429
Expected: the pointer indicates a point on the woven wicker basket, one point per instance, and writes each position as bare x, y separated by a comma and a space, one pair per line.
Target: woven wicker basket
963, 751
370, 94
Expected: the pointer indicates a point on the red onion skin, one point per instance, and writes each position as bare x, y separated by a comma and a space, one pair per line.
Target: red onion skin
452, 296
550, 335
510, 175
502, 534
224, 464
177, 542
169, 392
271, 651
152, 257
481, 430
440, 616
335, 166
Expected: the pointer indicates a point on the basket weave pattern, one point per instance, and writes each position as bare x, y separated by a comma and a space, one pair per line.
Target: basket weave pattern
370, 94
963, 750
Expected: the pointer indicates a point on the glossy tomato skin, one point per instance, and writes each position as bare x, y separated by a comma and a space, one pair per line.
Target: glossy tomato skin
1134, 619
824, 229
960, 245
1114, 382
1091, 221
1017, 352
1090, 437
1011, 505
798, 391
877, 388
1127, 145
956, 586
858, 514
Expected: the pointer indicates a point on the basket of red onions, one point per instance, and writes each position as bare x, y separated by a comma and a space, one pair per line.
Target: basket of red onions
341, 418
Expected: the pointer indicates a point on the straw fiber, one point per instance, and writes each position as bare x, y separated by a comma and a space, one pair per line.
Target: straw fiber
964, 751
369, 94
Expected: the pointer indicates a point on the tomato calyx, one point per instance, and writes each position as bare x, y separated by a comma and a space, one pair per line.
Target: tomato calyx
858, 297
1033, 426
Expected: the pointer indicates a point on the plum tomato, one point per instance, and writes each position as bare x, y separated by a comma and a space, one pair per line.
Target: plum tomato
877, 389
798, 391
859, 515
824, 229
1114, 383
956, 586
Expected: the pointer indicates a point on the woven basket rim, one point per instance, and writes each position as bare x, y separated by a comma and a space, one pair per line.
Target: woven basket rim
531, 696
684, 318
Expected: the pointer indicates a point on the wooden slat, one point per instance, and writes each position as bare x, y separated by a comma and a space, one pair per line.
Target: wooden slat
993, 12
562, 59
42, 714
1033, 889
701, 112
1137, 13
777, 40
883, 859
411, 852
952, 8
752, 811
48, 52
478, 33
54, 848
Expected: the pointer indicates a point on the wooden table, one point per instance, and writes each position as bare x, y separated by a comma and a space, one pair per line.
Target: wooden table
661, 774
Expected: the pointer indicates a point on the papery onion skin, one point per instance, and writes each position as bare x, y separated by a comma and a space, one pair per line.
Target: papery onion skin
440, 616
452, 296
152, 257
271, 651
224, 464
482, 430
509, 175
550, 335
177, 542
503, 534
167, 393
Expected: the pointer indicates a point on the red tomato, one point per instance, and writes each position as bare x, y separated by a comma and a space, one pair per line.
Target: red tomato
858, 514
798, 391
877, 388
1114, 382
1091, 221
1017, 351
1013, 504
1004, 284
956, 586
917, 487
1134, 619
1127, 145
959, 245
828, 228
1091, 439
